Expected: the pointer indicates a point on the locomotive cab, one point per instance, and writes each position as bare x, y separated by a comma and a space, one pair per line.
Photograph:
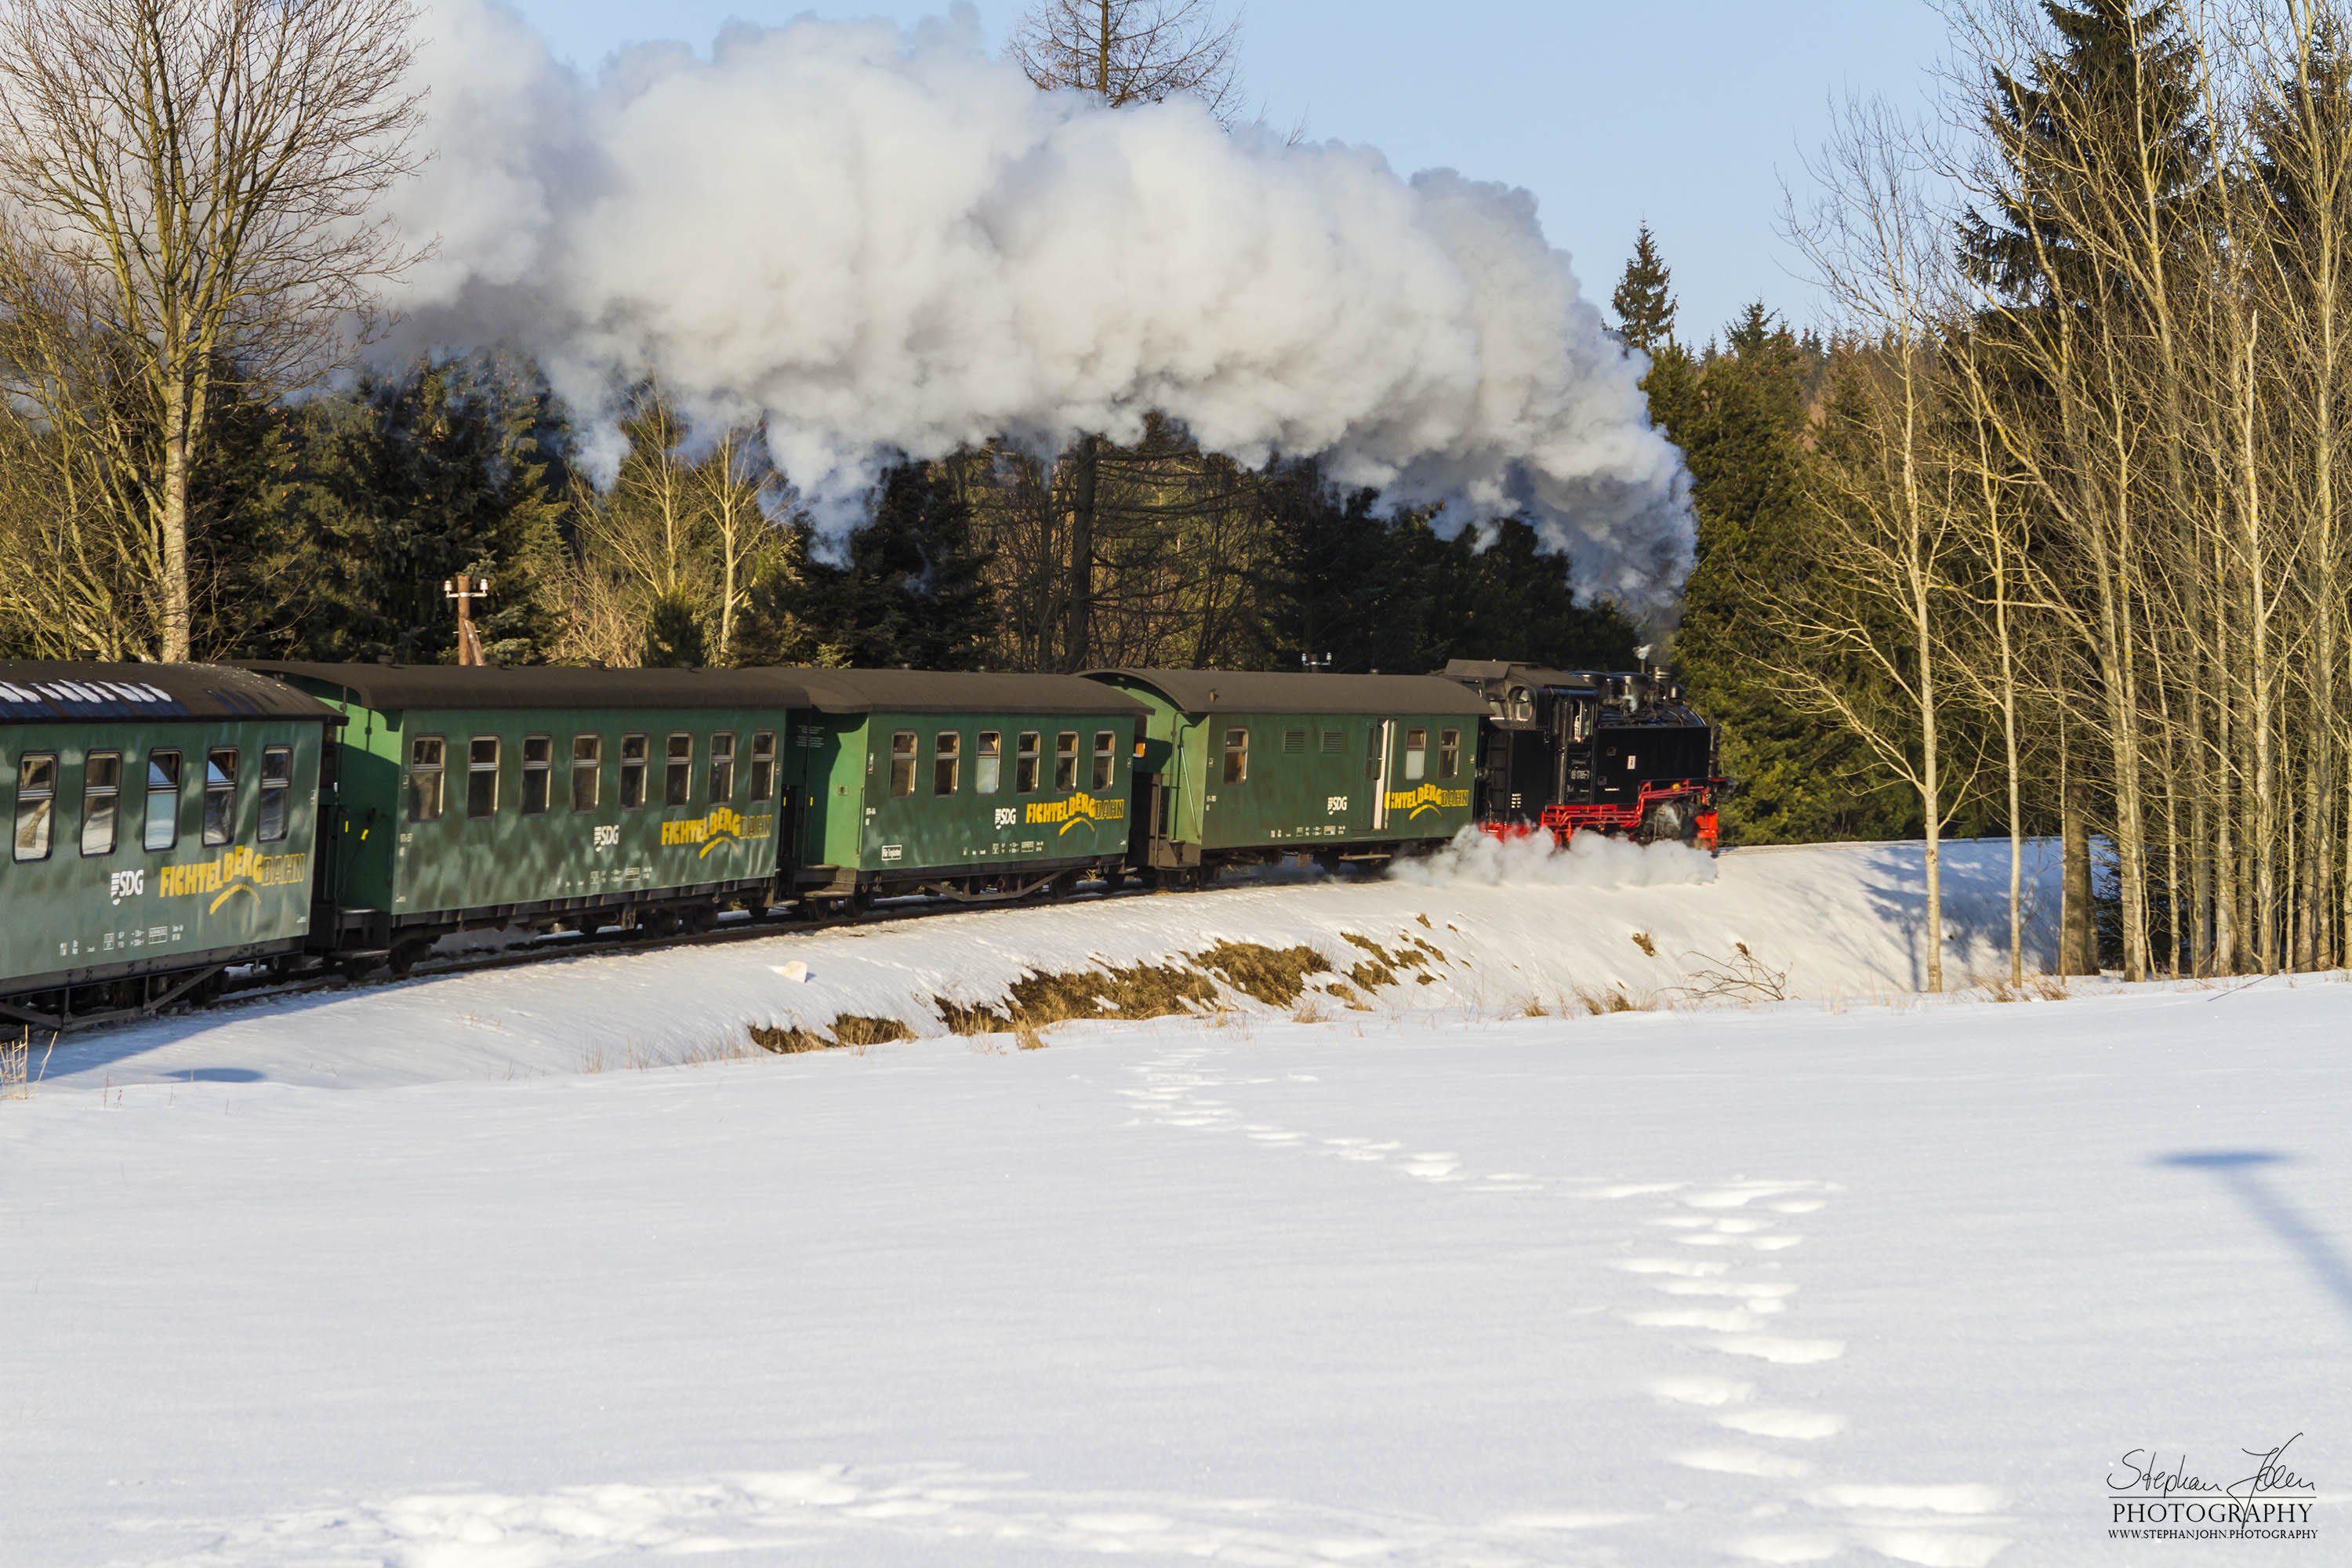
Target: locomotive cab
1538, 739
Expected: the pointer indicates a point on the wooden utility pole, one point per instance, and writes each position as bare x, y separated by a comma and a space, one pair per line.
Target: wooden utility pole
1080, 636
464, 590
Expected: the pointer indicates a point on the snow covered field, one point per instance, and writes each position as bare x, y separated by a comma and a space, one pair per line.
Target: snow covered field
402, 1276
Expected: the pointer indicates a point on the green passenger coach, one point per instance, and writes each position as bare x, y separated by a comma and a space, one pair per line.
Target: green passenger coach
162, 819
471, 797
1251, 767
968, 785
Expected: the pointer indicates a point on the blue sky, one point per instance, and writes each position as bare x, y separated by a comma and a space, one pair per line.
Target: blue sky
1689, 113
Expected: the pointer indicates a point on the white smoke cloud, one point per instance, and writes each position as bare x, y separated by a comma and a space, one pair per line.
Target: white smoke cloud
885, 239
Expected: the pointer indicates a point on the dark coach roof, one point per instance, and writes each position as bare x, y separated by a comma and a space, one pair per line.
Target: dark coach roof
43, 692
1291, 692
958, 691
1528, 675
395, 687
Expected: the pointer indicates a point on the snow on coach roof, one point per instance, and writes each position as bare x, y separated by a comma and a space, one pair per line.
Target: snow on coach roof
50, 692
1288, 691
394, 688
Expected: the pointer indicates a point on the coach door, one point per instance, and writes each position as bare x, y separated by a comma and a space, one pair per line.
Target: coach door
1386, 730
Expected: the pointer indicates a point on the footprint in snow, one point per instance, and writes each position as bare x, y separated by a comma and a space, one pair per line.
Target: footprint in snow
1786, 1548
1721, 1319
1797, 1426
1703, 1390
1736, 1194
1745, 1462
1781, 1351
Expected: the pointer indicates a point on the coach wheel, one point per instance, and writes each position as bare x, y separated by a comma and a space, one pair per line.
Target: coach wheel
657, 923
404, 954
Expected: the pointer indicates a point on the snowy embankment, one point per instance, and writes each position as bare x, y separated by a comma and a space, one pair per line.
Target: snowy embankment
1478, 932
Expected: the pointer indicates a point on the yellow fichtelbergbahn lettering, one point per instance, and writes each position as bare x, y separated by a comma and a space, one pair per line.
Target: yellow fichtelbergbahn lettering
240, 870
1076, 810
1428, 797
722, 827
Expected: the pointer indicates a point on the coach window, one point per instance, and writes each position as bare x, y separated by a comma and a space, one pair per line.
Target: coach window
1024, 764
902, 762
163, 829
587, 772
677, 779
36, 791
220, 795
1372, 751
1236, 756
1105, 753
988, 763
537, 761
722, 767
1449, 753
482, 776
633, 772
763, 764
947, 762
102, 795
1417, 754
277, 783
425, 755
1065, 760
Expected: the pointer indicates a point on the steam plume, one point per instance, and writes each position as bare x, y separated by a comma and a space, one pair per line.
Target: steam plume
886, 239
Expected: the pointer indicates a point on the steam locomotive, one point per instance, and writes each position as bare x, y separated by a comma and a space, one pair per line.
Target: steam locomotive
1620, 752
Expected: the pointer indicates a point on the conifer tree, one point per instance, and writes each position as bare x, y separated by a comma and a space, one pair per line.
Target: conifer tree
2126, 56
1743, 419
1366, 592
912, 592
1646, 310
674, 637
373, 499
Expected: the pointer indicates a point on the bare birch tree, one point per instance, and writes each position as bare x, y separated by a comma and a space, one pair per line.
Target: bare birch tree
199, 178
735, 477
1133, 51
1869, 642
1121, 52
